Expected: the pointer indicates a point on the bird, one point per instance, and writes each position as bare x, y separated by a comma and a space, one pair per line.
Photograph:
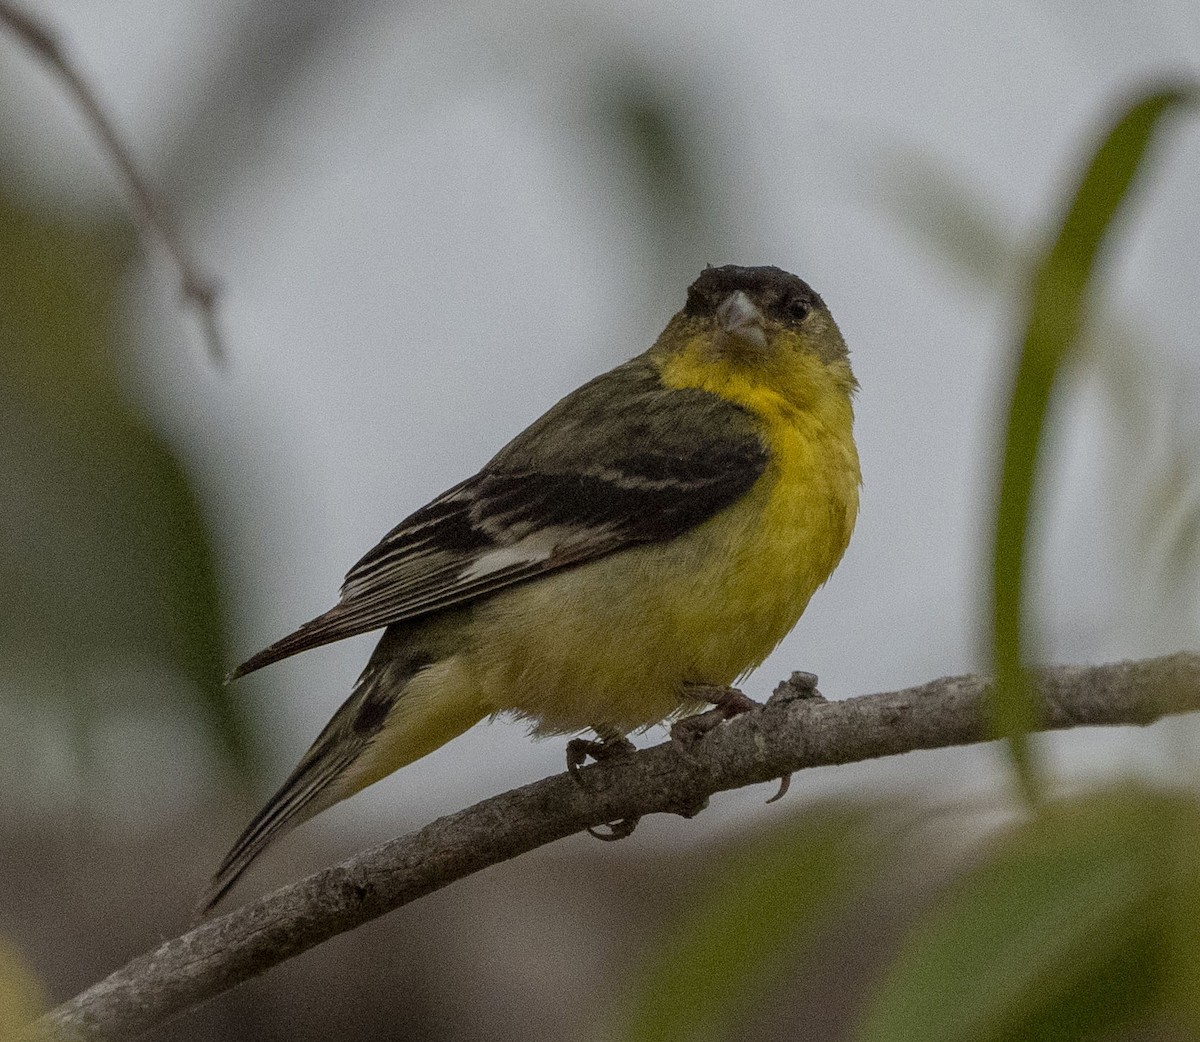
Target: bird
649, 540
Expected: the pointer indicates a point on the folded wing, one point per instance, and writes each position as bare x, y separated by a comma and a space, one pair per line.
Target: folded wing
608, 468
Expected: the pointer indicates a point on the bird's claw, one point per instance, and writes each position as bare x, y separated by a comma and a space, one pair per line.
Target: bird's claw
798, 687
620, 829
607, 747
785, 783
688, 731
727, 702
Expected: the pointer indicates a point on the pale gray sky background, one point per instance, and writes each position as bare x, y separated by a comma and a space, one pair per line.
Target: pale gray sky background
423, 250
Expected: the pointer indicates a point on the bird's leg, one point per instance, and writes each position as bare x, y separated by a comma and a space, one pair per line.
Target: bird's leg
727, 702
732, 702
609, 744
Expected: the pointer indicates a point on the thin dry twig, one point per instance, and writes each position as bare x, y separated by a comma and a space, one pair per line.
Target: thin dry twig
795, 730
198, 289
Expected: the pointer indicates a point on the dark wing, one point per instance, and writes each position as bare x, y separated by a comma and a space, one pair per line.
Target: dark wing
622, 461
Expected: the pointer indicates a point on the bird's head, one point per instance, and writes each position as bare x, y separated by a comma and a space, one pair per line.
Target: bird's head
760, 325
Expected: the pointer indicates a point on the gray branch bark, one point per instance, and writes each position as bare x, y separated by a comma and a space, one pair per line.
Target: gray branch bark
795, 730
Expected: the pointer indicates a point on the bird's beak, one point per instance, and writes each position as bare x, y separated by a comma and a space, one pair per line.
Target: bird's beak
739, 320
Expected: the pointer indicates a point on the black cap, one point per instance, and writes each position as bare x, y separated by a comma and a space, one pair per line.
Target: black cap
777, 292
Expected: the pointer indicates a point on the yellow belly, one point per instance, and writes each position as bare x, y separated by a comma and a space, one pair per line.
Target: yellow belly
614, 643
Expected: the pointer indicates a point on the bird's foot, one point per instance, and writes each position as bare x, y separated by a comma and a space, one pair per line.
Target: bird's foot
727, 703
607, 746
798, 687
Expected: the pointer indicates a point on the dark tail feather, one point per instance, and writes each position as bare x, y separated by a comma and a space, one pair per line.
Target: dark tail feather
305, 793
345, 756
314, 784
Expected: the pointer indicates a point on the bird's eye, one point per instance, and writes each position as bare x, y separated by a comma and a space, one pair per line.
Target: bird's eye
796, 309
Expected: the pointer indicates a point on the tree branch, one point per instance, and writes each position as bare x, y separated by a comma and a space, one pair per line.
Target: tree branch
795, 730
197, 288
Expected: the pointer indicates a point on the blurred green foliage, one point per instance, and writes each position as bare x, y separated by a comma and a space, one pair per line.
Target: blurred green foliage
1153, 458
21, 996
104, 556
1076, 925
761, 900
939, 209
1067, 929
651, 130
1057, 315
653, 134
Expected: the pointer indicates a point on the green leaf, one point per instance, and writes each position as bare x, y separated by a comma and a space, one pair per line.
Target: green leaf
21, 996
773, 893
105, 560
942, 210
652, 138
1063, 933
1057, 313
1181, 910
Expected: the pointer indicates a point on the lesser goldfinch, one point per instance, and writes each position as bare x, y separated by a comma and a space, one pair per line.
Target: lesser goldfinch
658, 531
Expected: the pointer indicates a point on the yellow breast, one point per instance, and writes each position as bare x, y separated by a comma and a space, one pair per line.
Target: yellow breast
614, 642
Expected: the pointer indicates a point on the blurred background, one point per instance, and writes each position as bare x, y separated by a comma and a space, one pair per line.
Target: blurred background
429, 223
